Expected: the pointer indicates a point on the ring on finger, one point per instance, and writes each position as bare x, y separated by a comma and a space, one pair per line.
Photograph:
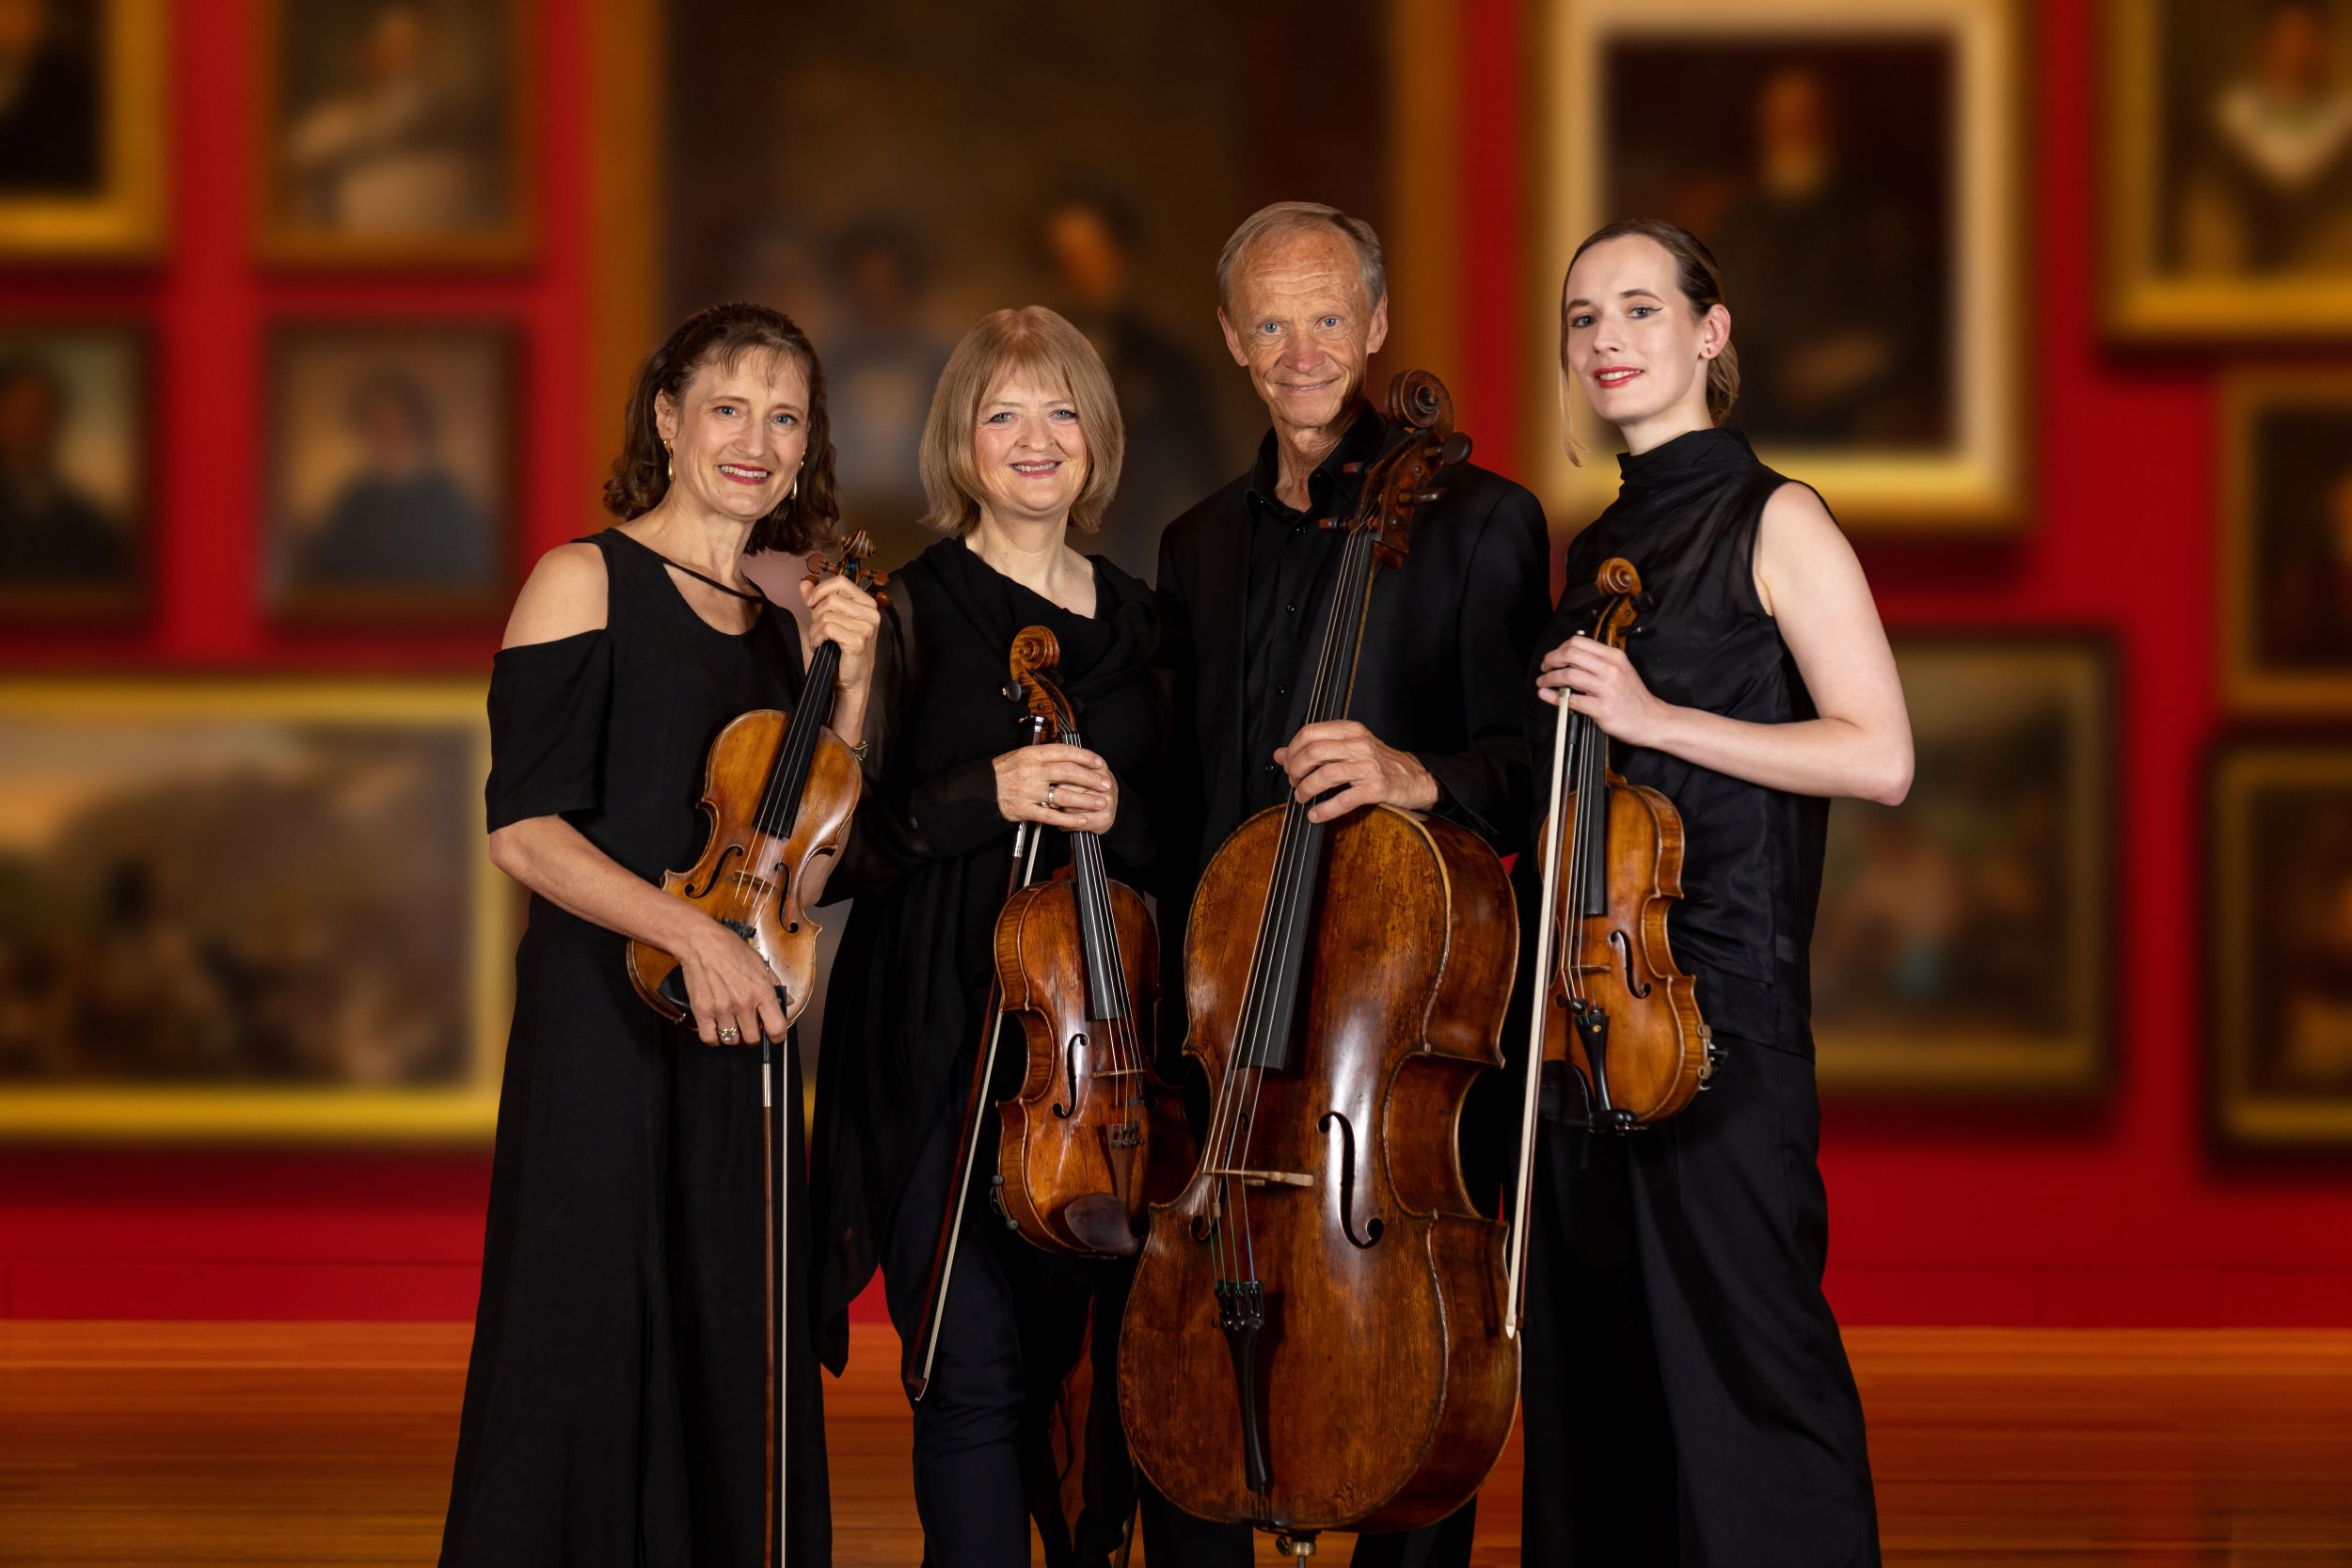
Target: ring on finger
1049, 797
730, 1035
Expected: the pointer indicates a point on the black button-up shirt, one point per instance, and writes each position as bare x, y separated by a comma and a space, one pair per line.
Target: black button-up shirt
1294, 566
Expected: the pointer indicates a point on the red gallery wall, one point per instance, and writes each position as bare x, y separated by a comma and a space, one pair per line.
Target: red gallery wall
2114, 1214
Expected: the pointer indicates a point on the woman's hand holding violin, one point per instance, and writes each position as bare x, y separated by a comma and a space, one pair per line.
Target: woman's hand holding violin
841, 612
1601, 683
729, 988
1062, 786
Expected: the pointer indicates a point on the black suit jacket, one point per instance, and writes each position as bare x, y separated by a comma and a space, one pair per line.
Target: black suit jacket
1446, 652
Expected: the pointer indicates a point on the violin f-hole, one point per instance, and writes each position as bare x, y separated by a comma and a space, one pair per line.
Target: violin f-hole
1372, 1226
1624, 944
716, 866
1070, 1075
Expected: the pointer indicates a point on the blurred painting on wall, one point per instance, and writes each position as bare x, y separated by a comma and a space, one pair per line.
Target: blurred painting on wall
2229, 185
234, 907
391, 457
2280, 907
80, 128
73, 472
944, 166
1851, 167
2287, 529
1962, 946
397, 131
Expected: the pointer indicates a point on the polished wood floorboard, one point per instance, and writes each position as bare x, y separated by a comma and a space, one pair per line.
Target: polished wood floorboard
265, 1444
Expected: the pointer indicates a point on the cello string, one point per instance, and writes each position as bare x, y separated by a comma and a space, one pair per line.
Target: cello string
1294, 858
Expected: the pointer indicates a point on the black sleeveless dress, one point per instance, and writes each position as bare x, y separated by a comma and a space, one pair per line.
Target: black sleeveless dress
1687, 1398
614, 1399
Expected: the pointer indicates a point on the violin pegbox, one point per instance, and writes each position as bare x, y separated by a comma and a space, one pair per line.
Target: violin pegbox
853, 558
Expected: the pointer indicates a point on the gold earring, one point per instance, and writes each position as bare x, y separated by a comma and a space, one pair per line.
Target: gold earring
796, 485
669, 463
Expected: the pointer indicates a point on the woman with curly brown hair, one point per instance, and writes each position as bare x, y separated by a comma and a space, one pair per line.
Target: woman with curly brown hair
614, 1402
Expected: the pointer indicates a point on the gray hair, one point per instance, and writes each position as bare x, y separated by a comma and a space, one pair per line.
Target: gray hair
1282, 218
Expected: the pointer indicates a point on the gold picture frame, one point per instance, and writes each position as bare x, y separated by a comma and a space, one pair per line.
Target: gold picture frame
1960, 464
2169, 274
2286, 511
485, 192
83, 535
249, 909
123, 218
1963, 945
2279, 898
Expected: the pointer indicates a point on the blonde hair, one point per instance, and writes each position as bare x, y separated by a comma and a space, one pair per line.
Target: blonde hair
1699, 281
1032, 339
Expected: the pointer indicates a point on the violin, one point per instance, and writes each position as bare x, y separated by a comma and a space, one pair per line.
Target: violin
1077, 963
779, 790
1314, 1336
1610, 1004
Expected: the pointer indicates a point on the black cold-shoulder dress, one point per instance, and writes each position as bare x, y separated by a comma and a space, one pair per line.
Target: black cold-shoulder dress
614, 1399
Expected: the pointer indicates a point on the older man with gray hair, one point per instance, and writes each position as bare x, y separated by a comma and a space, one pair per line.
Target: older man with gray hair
1244, 580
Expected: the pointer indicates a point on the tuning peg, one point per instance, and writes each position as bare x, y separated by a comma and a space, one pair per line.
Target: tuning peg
1351, 468
1427, 497
1457, 447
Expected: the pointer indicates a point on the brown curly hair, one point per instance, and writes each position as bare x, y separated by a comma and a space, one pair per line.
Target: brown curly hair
722, 334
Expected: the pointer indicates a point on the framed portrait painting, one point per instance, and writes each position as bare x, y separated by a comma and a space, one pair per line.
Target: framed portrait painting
1853, 167
1964, 946
390, 456
2286, 509
74, 481
2229, 169
2279, 903
82, 117
397, 131
248, 908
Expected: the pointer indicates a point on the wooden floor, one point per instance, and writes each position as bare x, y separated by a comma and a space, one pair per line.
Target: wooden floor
154, 1444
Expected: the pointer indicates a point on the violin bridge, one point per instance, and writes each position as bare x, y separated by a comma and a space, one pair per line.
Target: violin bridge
1264, 1177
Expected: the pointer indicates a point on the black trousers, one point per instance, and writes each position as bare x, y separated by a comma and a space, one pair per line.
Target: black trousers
1686, 1397
1015, 1324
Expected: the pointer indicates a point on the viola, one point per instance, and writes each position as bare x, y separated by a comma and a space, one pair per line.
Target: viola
1610, 1004
1093, 1131
779, 790
1314, 1339
918, 1352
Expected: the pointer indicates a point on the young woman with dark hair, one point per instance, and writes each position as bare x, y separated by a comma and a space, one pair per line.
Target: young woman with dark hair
613, 1413
1688, 1399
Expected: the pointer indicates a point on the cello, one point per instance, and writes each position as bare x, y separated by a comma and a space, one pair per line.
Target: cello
1314, 1339
779, 791
1611, 1003
1078, 962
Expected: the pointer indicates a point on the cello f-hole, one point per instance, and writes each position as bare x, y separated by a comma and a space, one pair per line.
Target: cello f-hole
1373, 1228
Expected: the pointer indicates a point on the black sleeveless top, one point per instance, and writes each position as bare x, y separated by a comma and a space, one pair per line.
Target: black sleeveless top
1686, 517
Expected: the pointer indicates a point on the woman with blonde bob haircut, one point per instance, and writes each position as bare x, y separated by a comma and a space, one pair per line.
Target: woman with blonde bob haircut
1023, 444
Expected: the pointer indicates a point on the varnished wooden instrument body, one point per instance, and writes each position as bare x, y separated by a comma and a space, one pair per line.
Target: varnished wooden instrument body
1396, 1386
749, 879
1064, 1139
1316, 1335
1613, 988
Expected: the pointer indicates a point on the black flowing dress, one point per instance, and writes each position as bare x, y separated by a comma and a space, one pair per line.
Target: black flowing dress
615, 1395
927, 865
1687, 1396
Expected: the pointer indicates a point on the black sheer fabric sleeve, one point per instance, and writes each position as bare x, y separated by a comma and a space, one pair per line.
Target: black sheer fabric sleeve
548, 705
902, 822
